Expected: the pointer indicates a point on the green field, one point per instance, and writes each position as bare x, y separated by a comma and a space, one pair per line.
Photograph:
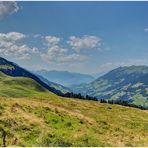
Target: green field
19, 87
32, 116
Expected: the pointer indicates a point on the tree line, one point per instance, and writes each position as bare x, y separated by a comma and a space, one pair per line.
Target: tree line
87, 97
123, 103
79, 96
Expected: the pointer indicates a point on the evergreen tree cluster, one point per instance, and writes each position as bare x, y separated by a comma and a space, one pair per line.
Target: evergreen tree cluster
124, 103
79, 96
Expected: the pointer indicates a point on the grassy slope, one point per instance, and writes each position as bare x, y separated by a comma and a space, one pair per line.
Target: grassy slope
55, 121
19, 86
44, 119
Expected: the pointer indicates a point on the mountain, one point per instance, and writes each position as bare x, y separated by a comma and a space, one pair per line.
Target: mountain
97, 75
65, 78
59, 87
12, 69
124, 83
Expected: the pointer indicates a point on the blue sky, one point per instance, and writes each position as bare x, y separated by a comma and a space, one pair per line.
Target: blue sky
86, 37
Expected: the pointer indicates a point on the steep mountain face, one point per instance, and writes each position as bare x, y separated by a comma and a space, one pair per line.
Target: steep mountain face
65, 78
12, 69
124, 83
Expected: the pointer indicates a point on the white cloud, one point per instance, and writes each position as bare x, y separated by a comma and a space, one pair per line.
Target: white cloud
8, 7
56, 54
84, 42
73, 58
52, 40
35, 50
10, 45
12, 36
146, 30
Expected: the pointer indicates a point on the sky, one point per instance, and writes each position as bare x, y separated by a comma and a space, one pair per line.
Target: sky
84, 37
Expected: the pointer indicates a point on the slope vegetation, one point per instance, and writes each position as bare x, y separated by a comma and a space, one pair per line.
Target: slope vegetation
19, 86
30, 115
55, 121
124, 83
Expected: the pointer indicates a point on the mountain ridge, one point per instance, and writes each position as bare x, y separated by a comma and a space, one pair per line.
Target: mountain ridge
128, 83
20, 87
15, 70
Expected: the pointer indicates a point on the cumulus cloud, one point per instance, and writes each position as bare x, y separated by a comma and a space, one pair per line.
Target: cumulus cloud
52, 40
15, 44
84, 42
56, 54
10, 45
146, 30
8, 8
12, 36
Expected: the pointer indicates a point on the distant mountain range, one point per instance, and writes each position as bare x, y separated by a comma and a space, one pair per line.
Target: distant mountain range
124, 83
59, 87
65, 78
12, 69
